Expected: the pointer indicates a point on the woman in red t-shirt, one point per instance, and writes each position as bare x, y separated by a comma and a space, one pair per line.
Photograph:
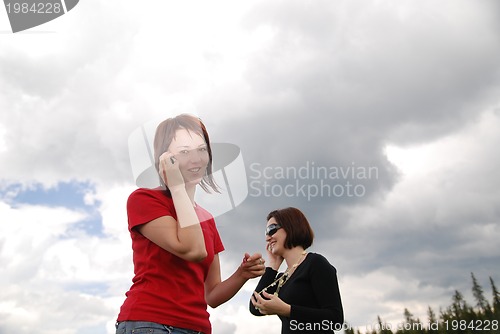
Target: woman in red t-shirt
175, 242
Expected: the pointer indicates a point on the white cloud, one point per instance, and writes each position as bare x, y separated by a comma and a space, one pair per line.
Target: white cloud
56, 273
442, 211
391, 292
452, 172
27, 231
238, 318
3, 145
286, 81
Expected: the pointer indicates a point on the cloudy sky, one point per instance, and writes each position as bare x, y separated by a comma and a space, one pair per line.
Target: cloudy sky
379, 119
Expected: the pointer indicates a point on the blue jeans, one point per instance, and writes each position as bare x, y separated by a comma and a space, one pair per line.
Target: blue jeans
146, 327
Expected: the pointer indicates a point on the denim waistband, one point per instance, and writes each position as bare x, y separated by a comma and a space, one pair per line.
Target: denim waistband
129, 327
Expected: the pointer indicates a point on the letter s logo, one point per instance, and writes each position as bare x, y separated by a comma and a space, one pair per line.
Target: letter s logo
25, 14
228, 170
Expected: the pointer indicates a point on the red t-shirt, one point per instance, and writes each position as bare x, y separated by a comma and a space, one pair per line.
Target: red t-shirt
167, 289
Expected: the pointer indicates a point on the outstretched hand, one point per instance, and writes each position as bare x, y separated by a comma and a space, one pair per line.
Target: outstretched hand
252, 266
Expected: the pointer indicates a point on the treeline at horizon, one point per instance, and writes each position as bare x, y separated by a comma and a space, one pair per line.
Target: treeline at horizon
460, 317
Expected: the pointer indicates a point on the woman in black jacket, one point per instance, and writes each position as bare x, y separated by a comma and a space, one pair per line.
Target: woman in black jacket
306, 296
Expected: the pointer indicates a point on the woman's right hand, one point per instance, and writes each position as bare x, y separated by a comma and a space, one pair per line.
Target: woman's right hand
274, 260
169, 171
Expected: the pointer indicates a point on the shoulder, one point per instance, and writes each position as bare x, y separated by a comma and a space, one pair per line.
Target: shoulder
142, 200
318, 261
144, 205
142, 194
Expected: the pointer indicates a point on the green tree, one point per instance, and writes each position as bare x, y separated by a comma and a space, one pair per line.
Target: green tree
433, 324
384, 327
478, 294
459, 308
411, 325
349, 329
496, 299
459, 311
459, 317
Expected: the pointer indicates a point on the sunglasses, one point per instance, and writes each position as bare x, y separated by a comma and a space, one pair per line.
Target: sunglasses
272, 228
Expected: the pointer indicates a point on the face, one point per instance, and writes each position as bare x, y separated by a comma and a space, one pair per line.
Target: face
190, 150
275, 237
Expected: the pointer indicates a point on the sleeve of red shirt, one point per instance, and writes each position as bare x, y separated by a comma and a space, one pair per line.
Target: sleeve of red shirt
145, 205
218, 246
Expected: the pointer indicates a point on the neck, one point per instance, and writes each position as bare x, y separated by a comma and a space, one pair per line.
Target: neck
293, 256
191, 190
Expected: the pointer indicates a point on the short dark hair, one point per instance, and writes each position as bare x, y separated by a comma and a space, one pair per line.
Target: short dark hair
297, 228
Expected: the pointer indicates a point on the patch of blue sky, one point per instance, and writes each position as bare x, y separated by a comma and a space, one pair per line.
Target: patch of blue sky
70, 195
89, 288
91, 225
67, 194
95, 329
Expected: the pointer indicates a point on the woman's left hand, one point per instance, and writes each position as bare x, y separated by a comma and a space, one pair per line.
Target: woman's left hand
272, 305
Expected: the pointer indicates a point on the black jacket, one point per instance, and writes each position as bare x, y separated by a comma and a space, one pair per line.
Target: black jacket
313, 293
